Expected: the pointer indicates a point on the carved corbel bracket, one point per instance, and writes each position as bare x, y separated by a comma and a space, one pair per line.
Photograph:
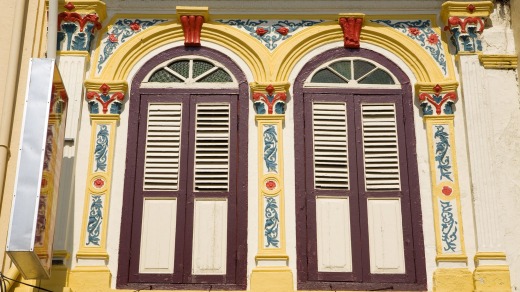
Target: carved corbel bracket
77, 24
437, 99
191, 19
269, 98
103, 98
465, 23
351, 25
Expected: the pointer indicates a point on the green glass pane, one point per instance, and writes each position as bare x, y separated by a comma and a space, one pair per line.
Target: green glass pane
163, 76
326, 76
181, 67
200, 67
343, 68
218, 76
377, 77
361, 68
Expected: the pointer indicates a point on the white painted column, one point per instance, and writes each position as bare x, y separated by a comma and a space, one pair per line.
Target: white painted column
479, 130
72, 69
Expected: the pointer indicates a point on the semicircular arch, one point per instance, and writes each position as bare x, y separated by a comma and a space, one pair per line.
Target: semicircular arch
414, 56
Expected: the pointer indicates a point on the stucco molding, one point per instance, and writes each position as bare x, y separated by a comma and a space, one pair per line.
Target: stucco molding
351, 24
269, 98
105, 97
192, 19
499, 61
437, 98
77, 24
465, 22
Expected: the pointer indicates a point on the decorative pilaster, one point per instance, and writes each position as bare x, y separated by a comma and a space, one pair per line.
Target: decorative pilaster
437, 103
105, 105
465, 23
271, 259
351, 25
191, 19
78, 22
492, 271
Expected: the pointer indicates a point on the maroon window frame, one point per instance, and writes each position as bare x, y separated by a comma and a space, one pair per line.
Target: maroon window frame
128, 269
360, 278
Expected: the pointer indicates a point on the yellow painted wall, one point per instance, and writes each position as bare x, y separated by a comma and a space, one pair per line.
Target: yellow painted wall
33, 46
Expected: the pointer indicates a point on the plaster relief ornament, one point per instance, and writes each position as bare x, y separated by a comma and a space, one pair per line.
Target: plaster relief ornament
446, 190
120, 32
351, 27
76, 31
442, 102
192, 26
466, 32
99, 183
449, 231
270, 185
105, 99
270, 33
271, 150
272, 223
422, 33
273, 101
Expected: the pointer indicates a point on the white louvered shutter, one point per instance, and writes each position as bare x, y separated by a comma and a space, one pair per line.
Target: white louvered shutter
380, 148
212, 136
162, 154
329, 123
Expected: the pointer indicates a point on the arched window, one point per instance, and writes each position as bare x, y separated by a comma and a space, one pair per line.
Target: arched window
358, 182
184, 216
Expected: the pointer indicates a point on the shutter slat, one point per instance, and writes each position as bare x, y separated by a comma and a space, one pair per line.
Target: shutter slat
330, 145
161, 166
380, 147
212, 147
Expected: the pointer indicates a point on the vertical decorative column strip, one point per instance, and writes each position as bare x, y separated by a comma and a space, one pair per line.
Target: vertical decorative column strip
272, 260
437, 103
105, 106
466, 26
78, 23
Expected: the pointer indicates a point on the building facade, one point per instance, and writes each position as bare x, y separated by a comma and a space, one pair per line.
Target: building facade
288, 146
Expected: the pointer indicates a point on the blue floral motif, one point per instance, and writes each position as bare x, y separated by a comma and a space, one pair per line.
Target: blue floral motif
441, 150
101, 150
95, 218
270, 148
270, 36
427, 109
279, 108
120, 32
465, 42
259, 108
76, 41
448, 226
423, 34
272, 223
70, 29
